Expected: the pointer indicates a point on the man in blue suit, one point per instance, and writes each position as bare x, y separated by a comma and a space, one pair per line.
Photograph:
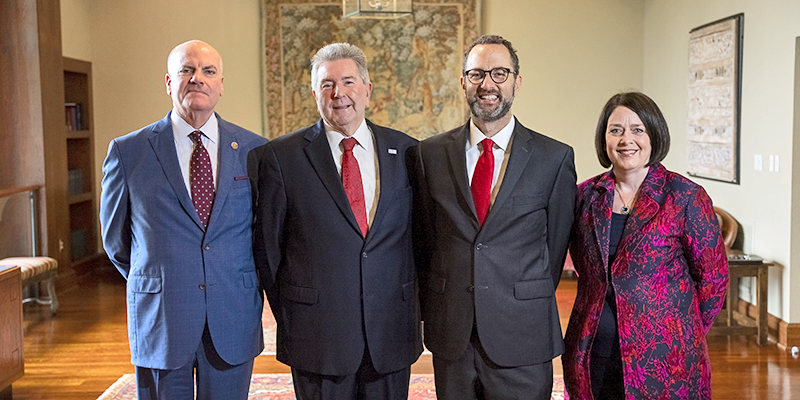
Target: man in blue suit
333, 236
176, 220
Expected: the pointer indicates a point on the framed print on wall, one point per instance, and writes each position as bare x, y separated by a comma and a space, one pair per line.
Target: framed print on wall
714, 89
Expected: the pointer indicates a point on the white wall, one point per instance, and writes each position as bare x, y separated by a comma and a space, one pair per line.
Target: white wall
574, 55
75, 29
762, 202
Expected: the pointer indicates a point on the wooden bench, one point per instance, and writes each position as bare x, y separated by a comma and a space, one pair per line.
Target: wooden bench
11, 344
35, 270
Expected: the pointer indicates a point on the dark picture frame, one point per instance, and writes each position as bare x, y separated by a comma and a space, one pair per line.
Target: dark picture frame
714, 86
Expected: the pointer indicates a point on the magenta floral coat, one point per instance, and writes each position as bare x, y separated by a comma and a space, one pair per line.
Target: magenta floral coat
670, 276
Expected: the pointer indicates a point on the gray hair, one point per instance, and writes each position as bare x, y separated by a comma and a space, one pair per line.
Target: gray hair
339, 51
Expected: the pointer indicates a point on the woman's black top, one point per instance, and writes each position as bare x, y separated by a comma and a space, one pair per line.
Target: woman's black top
607, 328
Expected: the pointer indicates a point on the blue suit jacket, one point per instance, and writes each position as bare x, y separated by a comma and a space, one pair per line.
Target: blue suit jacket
180, 275
333, 292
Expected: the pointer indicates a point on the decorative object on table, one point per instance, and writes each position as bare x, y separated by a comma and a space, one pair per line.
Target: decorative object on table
414, 62
714, 83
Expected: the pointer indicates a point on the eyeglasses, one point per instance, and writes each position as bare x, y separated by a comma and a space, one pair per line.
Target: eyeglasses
476, 76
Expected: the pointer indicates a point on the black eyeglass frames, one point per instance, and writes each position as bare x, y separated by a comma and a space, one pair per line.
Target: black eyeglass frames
476, 76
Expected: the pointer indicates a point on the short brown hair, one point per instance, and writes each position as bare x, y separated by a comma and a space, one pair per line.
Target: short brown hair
493, 39
648, 112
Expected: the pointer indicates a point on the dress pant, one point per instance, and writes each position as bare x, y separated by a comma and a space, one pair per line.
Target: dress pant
365, 384
475, 377
216, 379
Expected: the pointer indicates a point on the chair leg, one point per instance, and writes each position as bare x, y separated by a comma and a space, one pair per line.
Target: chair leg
51, 292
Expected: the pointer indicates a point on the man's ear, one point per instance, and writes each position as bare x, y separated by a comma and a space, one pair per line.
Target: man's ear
168, 81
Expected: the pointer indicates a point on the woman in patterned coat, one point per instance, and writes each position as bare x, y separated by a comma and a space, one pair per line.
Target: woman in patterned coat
651, 264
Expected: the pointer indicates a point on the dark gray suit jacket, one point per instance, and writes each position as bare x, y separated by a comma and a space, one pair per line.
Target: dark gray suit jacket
332, 291
501, 277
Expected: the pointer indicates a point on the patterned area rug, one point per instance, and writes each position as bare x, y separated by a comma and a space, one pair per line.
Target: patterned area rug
279, 387
270, 327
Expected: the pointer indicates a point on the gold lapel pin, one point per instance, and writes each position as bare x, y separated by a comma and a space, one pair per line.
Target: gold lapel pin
234, 145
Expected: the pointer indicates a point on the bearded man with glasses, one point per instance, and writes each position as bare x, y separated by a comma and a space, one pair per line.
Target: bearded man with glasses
493, 209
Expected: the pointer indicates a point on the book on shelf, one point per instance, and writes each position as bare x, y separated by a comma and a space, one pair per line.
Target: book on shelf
74, 117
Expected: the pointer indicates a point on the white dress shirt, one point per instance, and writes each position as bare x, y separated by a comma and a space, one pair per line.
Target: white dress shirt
364, 153
501, 150
185, 145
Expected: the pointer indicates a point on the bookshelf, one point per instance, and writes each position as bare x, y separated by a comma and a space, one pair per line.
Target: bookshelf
79, 137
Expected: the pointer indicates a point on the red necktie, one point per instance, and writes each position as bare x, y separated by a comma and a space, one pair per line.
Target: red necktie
482, 180
201, 179
351, 179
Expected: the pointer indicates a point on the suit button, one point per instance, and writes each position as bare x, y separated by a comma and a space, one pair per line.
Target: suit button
470, 288
479, 246
364, 255
207, 247
202, 286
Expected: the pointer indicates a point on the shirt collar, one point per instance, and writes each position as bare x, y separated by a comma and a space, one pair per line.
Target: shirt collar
500, 139
181, 129
362, 135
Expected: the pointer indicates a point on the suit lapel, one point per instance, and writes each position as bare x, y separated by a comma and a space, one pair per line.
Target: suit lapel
225, 168
319, 155
387, 168
163, 143
457, 158
521, 150
601, 209
645, 209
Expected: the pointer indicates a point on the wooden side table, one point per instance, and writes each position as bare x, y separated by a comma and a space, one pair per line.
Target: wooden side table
741, 265
11, 345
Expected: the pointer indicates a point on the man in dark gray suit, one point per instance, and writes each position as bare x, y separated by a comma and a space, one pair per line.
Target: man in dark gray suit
334, 242
494, 202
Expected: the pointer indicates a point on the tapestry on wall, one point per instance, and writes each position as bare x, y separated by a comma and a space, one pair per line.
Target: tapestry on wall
414, 62
714, 87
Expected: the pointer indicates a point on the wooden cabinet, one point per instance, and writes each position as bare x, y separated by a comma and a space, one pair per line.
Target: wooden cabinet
79, 137
11, 358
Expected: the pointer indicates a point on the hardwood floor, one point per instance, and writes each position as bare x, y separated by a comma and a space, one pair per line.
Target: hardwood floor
83, 349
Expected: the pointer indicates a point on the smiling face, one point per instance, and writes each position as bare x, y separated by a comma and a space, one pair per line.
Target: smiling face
627, 142
490, 101
341, 95
194, 81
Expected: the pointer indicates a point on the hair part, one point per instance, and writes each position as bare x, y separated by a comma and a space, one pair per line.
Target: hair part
493, 39
339, 51
648, 112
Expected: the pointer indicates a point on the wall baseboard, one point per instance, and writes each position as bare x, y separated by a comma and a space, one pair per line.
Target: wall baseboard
784, 334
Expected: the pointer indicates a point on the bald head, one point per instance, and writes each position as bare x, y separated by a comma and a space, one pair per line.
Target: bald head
173, 61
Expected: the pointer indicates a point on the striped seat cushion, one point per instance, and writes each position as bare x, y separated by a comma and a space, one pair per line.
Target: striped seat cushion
31, 266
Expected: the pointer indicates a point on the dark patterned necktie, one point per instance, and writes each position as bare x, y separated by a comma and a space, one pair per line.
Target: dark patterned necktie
482, 180
201, 179
351, 179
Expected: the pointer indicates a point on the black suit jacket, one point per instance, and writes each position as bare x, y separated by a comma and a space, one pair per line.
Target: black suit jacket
332, 291
501, 277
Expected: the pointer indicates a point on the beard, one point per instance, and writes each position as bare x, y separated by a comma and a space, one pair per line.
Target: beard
491, 114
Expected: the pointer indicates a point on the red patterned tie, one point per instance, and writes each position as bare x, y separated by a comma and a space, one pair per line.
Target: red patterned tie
351, 179
201, 179
482, 180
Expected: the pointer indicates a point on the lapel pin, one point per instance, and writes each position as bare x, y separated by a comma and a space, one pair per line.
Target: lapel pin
234, 145
392, 151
